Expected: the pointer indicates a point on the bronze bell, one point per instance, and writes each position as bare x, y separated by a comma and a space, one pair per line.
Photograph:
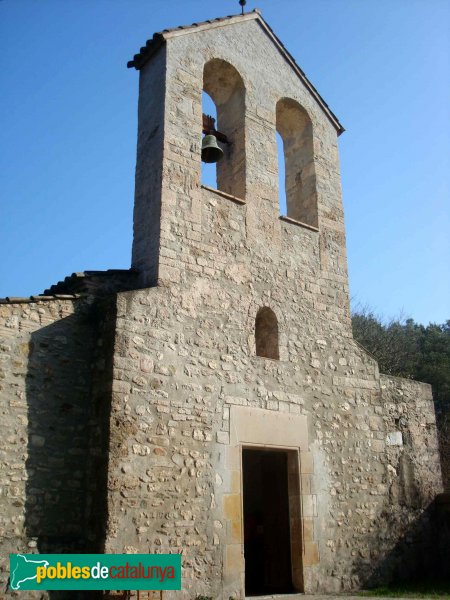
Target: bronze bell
211, 151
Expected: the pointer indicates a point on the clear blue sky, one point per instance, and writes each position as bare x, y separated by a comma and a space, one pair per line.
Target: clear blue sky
68, 134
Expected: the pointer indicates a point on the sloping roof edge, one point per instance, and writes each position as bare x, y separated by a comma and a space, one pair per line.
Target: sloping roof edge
159, 38
40, 298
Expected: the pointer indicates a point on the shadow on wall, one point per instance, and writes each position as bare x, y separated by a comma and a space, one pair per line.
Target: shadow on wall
68, 390
422, 550
442, 409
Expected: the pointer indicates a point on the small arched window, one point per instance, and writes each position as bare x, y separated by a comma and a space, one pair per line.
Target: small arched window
266, 334
296, 154
224, 92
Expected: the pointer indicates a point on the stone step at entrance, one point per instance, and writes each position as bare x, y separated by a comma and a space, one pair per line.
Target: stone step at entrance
294, 596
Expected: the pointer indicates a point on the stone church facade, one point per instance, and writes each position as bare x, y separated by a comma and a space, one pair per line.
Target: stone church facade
211, 401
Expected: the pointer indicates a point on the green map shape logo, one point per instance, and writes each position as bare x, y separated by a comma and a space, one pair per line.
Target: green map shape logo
101, 571
24, 570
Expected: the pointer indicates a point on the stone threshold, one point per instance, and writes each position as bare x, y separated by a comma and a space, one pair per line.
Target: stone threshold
302, 596
297, 596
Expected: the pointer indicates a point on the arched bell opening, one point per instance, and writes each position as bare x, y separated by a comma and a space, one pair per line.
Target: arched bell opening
224, 91
209, 169
298, 194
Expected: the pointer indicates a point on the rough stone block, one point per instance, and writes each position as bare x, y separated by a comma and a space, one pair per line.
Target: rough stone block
394, 438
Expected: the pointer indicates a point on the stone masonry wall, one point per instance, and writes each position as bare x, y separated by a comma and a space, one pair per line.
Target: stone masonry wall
179, 211
166, 381
184, 357
185, 354
185, 351
408, 425
150, 144
47, 355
